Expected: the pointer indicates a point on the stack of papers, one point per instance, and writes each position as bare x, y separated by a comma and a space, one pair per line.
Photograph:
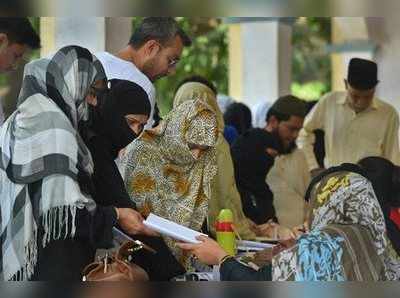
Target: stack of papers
253, 245
172, 229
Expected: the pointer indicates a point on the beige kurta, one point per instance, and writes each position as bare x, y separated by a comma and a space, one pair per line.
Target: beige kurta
288, 180
350, 137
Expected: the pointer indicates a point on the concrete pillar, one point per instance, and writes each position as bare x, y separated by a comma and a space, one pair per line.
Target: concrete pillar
259, 61
118, 32
350, 39
95, 33
88, 32
385, 33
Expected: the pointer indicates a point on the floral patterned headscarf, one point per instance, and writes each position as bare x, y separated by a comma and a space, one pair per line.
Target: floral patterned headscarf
346, 198
161, 174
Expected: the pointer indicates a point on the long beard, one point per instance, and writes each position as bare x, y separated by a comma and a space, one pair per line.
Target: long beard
282, 148
289, 149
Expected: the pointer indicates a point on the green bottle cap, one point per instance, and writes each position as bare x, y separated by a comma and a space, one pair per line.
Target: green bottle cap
225, 215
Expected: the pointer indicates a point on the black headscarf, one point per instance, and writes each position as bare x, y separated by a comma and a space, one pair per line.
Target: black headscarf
106, 133
385, 179
124, 98
239, 116
252, 164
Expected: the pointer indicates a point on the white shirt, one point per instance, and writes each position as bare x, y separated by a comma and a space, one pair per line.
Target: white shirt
1, 112
120, 69
351, 136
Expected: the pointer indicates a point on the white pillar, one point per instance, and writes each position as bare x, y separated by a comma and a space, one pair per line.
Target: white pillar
350, 39
118, 32
88, 32
384, 31
265, 61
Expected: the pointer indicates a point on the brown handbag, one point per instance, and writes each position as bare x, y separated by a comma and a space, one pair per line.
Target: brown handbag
118, 267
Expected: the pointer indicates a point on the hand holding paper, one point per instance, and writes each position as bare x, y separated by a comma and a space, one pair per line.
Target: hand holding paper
172, 229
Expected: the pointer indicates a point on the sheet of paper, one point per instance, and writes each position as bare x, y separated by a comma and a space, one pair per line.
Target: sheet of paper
171, 229
254, 245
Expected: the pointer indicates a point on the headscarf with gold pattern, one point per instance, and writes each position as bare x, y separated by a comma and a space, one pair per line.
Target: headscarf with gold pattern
224, 191
161, 174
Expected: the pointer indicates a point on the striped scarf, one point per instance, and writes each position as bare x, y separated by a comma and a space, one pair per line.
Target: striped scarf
41, 158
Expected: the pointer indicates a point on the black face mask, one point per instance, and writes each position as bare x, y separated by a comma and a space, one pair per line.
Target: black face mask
252, 162
124, 98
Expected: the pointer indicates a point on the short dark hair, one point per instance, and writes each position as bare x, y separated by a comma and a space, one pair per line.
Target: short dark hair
279, 116
287, 106
161, 29
20, 30
198, 79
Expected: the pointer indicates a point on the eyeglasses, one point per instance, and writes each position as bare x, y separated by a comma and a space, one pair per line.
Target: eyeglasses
172, 62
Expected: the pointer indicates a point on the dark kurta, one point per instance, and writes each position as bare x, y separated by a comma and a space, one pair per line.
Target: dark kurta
64, 260
232, 270
110, 191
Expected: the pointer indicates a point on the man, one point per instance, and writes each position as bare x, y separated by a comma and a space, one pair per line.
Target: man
153, 52
17, 36
356, 123
289, 177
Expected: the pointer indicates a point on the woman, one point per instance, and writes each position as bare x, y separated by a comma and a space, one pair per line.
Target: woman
118, 120
168, 170
253, 156
51, 226
224, 192
385, 179
344, 218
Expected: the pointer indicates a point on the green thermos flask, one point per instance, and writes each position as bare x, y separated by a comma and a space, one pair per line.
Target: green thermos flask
225, 233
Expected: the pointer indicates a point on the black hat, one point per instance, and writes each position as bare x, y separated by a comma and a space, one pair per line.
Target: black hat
362, 74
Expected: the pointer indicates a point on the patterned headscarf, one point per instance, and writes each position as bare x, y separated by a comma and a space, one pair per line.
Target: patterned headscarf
42, 156
345, 198
161, 174
195, 90
224, 192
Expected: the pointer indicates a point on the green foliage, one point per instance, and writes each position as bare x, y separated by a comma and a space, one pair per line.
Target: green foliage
311, 68
310, 90
208, 57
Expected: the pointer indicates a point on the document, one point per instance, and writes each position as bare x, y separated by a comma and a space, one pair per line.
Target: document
253, 245
172, 229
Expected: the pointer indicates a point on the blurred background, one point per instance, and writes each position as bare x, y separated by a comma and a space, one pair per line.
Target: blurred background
251, 59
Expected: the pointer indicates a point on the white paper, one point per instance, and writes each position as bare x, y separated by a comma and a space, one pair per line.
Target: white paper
253, 245
172, 229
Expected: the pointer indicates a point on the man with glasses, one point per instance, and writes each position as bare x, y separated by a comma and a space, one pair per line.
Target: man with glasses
153, 52
17, 36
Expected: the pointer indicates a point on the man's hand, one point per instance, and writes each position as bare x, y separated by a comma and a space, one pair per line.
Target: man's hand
275, 231
253, 226
208, 251
131, 222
